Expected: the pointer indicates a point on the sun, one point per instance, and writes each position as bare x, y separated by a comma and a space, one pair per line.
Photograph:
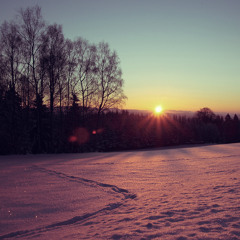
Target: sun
158, 109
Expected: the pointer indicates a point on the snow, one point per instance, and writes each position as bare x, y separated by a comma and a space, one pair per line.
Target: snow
182, 193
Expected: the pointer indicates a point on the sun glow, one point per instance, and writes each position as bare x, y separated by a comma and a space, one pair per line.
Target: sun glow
158, 109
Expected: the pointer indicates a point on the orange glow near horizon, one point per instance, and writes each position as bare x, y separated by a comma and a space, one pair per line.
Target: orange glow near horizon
176, 101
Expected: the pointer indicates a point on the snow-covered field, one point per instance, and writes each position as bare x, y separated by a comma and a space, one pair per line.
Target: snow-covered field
182, 193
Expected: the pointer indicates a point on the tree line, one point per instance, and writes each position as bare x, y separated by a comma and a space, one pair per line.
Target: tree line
41, 71
116, 130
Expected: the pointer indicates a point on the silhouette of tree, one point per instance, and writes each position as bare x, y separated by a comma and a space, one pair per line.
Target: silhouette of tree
71, 64
11, 46
109, 79
231, 129
31, 29
85, 83
11, 122
3, 73
206, 115
236, 124
40, 128
54, 58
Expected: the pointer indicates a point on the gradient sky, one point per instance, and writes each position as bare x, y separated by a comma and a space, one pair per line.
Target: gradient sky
182, 54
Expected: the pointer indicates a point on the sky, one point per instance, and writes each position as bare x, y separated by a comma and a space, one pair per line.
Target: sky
181, 54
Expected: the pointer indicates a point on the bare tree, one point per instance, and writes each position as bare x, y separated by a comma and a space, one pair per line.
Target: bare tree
32, 27
109, 76
85, 83
3, 72
54, 58
62, 81
70, 69
11, 52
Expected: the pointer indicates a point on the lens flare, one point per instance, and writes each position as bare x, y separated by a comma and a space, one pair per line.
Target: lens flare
80, 136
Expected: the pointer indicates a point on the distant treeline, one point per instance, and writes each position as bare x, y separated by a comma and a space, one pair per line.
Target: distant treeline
71, 131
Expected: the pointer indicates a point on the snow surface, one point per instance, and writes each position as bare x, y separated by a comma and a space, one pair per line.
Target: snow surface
182, 193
